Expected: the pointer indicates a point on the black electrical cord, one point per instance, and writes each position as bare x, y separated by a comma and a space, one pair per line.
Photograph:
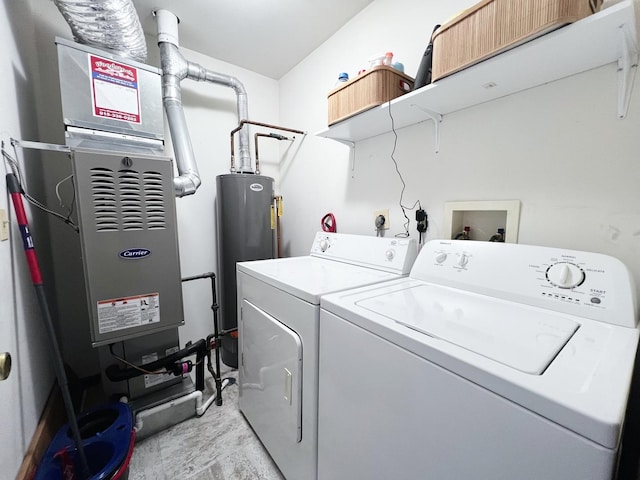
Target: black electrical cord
404, 185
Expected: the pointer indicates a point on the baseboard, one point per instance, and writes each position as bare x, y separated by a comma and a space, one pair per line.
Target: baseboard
52, 418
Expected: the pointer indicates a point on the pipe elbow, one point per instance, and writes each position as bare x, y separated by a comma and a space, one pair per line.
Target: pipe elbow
238, 87
186, 184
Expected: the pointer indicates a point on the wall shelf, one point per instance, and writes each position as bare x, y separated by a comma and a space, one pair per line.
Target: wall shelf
605, 37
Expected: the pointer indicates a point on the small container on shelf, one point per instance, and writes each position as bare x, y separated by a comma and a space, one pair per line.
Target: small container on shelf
370, 89
376, 60
343, 77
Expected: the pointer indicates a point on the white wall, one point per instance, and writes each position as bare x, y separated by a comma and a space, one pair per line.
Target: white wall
24, 393
558, 148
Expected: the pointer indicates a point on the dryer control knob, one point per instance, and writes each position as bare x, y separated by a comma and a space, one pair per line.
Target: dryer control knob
440, 257
390, 254
464, 259
565, 275
324, 244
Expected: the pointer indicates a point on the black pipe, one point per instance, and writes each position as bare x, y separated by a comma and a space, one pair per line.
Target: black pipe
215, 336
201, 354
198, 277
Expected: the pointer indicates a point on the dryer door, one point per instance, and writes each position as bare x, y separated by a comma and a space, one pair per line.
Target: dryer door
271, 376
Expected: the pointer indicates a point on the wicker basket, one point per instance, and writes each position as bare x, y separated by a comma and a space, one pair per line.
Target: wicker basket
493, 26
367, 90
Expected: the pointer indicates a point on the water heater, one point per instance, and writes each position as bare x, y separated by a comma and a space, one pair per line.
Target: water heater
245, 232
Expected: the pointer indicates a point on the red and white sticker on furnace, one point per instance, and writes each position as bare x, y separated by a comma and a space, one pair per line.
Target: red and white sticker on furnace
114, 90
128, 312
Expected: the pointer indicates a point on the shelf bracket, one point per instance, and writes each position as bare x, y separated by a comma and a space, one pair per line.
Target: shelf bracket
437, 120
352, 151
627, 66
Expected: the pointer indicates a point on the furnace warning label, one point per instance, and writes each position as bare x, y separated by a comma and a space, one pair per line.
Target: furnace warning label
114, 90
128, 312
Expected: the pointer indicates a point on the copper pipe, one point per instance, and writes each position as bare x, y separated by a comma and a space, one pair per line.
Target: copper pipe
260, 124
268, 135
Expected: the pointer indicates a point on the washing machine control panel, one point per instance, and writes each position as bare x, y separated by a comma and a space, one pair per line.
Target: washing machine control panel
565, 275
580, 283
394, 255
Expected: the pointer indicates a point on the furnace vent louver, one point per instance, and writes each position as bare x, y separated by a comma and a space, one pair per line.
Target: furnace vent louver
127, 200
154, 200
104, 200
131, 203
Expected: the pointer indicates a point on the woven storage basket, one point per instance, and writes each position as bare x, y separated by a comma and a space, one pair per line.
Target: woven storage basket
493, 26
367, 90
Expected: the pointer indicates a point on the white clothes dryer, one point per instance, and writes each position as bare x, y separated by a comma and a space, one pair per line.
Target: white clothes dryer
279, 312
490, 361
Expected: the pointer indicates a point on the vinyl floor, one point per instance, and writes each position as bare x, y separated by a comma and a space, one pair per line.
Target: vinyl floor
220, 445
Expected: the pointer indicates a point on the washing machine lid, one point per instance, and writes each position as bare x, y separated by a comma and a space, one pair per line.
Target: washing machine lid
515, 335
308, 278
584, 388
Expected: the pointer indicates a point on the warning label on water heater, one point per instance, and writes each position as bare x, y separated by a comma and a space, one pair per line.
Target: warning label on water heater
128, 312
114, 90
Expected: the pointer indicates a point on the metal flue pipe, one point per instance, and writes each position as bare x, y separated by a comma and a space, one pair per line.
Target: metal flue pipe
176, 68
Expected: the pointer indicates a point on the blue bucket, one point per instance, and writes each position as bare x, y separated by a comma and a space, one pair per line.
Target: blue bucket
107, 438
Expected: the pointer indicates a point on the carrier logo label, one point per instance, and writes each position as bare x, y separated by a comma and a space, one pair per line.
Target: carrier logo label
133, 253
256, 187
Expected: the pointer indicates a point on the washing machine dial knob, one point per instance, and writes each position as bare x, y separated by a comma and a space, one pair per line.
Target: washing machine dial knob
464, 259
324, 244
440, 257
390, 254
565, 275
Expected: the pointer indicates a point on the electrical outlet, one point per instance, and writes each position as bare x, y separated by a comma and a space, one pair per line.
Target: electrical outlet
4, 225
385, 214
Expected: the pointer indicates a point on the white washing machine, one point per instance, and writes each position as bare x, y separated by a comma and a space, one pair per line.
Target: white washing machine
490, 361
279, 311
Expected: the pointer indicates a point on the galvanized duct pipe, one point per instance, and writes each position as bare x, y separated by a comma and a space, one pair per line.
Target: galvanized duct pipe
111, 25
175, 68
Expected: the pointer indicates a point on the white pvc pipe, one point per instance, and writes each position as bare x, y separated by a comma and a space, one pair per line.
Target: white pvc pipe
167, 27
197, 396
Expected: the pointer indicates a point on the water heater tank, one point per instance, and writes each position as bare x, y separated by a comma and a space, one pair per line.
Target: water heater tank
244, 233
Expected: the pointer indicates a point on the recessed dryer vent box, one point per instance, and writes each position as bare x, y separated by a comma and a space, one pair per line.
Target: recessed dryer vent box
484, 219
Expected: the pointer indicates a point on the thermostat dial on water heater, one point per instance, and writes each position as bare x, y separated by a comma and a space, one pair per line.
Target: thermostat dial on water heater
565, 275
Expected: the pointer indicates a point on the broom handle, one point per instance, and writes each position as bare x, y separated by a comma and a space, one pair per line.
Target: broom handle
13, 185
